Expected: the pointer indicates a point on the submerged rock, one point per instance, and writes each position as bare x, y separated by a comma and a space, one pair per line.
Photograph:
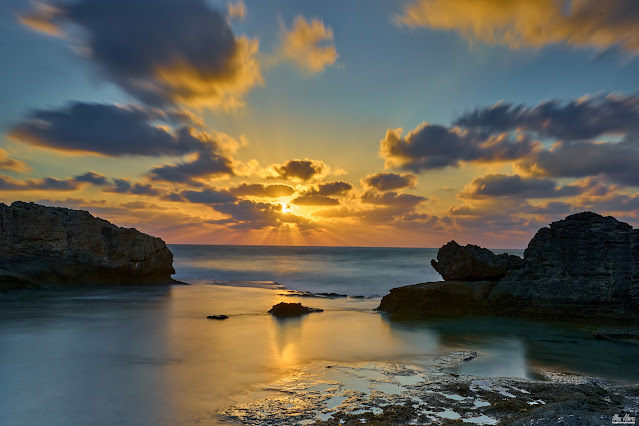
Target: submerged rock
284, 310
217, 317
43, 246
473, 263
584, 268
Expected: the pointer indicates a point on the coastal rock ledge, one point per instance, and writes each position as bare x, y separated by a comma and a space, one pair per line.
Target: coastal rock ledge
43, 246
584, 267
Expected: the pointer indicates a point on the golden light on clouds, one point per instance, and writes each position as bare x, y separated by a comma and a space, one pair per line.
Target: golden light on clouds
309, 44
525, 23
195, 88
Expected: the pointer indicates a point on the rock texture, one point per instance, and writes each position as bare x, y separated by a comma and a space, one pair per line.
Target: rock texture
439, 299
585, 268
285, 310
586, 265
46, 246
473, 263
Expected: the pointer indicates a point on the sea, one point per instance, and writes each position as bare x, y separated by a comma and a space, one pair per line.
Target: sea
147, 355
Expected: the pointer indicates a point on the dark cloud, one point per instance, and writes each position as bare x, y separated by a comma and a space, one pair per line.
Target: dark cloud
315, 200
207, 163
161, 52
123, 186
501, 185
299, 170
393, 199
104, 129
263, 190
583, 118
208, 196
45, 184
337, 213
431, 146
390, 181
51, 184
618, 161
330, 188
92, 178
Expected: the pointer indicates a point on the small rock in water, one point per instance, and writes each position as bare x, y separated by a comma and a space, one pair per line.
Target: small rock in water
284, 310
217, 317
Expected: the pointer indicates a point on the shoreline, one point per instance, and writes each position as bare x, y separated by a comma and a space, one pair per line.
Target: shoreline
429, 392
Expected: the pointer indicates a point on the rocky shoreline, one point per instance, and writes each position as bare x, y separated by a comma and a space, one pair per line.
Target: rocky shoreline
430, 392
46, 247
584, 268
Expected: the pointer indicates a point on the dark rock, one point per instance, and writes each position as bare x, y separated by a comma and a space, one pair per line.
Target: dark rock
473, 263
46, 246
217, 317
283, 310
438, 299
583, 268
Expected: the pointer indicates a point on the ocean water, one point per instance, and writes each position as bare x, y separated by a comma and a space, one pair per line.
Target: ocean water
148, 355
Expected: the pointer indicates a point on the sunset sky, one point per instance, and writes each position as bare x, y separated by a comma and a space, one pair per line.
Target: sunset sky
360, 123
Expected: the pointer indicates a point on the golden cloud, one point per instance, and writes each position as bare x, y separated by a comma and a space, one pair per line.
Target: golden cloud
309, 45
524, 23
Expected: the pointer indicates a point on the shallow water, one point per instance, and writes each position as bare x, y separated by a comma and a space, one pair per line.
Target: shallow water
150, 356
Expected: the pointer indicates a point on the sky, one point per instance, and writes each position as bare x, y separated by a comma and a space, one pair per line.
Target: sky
342, 123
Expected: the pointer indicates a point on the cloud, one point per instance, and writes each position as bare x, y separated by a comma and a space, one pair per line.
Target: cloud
123, 186
501, 185
314, 200
92, 178
299, 170
45, 184
163, 53
339, 212
10, 164
206, 164
583, 118
432, 146
104, 129
266, 190
617, 161
257, 215
522, 23
208, 196
309, 44
237, 10
393, 199
390, 181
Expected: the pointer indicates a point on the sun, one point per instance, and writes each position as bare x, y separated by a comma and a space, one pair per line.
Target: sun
285, 208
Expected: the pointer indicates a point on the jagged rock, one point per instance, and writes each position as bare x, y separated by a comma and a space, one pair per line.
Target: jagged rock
473, 263
582, 268
585, 265
43, 246
283, 310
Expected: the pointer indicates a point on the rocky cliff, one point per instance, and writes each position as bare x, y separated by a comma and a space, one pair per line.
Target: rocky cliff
44, 246
584, 267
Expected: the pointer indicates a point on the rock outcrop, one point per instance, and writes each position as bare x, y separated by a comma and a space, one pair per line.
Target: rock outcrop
585, 267
48, 246
473, 263
286, 310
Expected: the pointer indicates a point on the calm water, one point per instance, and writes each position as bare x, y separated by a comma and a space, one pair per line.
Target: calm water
148, 355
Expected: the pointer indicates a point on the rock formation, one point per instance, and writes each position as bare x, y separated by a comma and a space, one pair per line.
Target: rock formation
585, 267
285, 310
473, 263
47, 246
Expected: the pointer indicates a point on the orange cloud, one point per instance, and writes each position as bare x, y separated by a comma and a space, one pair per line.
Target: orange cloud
8, 163
309, 45
237, 10
524, 23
